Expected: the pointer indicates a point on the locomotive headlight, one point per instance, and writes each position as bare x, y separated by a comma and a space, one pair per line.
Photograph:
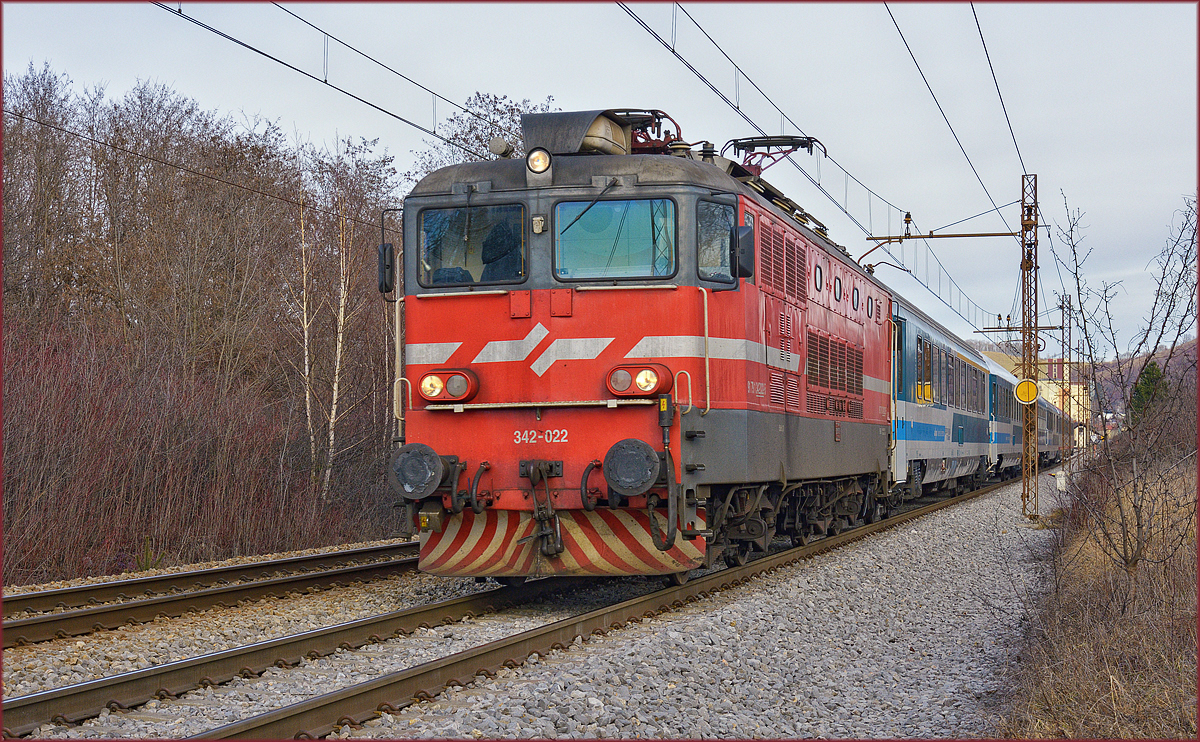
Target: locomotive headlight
431, 386
639, 379
538, 160
457, 385
646, 379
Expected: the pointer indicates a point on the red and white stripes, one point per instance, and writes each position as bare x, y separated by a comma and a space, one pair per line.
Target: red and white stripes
599, 543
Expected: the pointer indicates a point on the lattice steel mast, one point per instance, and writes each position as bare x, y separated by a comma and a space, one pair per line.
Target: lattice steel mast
1029, 343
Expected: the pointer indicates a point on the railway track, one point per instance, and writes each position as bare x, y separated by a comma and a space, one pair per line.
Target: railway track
90, 608
320, 715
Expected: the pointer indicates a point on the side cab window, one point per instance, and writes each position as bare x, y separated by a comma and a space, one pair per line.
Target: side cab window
714, 225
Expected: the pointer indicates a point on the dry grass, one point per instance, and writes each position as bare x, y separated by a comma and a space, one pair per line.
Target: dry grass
1113, 654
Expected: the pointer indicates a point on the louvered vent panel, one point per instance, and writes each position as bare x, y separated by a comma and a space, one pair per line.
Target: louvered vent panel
800, 269
795, 269
781, 266
856, 371
777, 395
764, 259
823, 369
792, 388
840, 368
856, 409
816, 403
814, 354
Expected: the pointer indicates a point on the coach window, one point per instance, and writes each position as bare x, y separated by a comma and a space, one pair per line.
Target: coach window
854, 298
922, 370
714, 222
927, 365
479, 244
818, 278
939, 375
614, 239
951, 381
837, 288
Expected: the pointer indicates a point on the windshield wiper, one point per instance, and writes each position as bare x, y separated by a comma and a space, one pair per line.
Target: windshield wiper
611, 183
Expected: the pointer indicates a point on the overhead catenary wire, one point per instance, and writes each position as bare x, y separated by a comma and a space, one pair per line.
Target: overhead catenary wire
740, 112
998, 93
945, 117
313, 77
437, 96
736, 106
969, 218
783, 115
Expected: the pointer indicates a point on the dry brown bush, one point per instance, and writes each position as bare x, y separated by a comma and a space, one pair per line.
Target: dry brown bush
1113, 654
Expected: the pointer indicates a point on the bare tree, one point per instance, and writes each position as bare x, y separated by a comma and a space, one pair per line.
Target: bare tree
486, 116
342, 359
1134, 488
41, 194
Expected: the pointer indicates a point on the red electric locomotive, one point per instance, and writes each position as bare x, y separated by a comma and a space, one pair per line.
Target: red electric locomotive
626, 355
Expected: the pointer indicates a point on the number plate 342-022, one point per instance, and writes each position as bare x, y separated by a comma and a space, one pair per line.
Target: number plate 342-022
539, 436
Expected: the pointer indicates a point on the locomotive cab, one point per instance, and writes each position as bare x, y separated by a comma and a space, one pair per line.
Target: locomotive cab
537, 296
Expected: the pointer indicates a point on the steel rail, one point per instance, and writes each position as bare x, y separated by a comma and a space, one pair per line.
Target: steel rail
113, 615
104, 592
73, 703
320, 715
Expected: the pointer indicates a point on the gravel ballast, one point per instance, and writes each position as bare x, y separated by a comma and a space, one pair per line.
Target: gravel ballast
908, 633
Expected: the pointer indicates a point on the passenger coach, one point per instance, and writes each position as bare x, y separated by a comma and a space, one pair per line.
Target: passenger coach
940, 427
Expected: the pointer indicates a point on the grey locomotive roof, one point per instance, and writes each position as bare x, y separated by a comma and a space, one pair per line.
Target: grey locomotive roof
577, 170
561, 132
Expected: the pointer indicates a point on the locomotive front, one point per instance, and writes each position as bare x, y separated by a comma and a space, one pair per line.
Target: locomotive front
540, 431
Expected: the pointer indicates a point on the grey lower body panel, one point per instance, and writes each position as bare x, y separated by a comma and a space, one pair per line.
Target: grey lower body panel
746, 446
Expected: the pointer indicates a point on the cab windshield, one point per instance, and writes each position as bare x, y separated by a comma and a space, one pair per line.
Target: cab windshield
614, 239
479, 244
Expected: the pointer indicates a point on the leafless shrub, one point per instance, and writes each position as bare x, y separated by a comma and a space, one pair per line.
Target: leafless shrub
1112, 653
1128, 500
1099, 665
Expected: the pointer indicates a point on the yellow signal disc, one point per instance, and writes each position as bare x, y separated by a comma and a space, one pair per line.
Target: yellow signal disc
1026, 391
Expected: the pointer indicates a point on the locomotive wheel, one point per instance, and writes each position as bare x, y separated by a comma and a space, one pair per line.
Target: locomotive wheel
737, 554
676, 579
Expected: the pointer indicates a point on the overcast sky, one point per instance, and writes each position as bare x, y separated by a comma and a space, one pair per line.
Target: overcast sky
1102, 100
